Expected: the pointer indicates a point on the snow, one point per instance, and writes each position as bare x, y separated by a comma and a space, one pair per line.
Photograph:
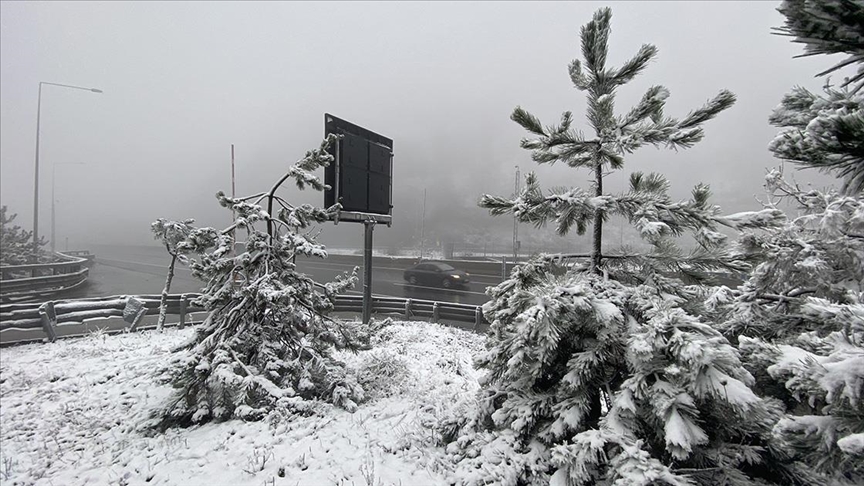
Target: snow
841, 373
845, 375
719, 297
74, 412
731, 389
852, 444
753, 219
682, 434
810, 425
651, 228
606, 312
791, 358
600, 202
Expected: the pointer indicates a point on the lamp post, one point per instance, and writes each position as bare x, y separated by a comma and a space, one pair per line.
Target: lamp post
36, 177
54, 203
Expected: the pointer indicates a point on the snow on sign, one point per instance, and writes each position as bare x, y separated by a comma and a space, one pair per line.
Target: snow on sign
361, 176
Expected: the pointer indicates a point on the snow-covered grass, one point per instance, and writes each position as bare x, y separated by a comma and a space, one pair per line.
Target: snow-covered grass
75, 412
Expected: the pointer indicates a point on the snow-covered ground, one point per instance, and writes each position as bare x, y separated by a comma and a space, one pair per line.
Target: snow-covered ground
75, 412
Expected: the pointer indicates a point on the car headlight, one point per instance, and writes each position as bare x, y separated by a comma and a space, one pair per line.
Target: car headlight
456, 276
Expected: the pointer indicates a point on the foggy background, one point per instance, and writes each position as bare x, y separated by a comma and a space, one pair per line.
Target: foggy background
183, 81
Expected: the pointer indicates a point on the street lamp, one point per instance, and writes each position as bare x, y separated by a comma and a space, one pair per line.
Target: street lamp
36, 182
54, 202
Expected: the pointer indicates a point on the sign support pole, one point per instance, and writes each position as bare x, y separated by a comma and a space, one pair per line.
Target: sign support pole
359, 191
368, 226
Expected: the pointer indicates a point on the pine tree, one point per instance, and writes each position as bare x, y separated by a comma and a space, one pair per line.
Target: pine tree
607, 374
647, 205
799, 321
799, 317
172, 234
16, 244
267, 342
825, 132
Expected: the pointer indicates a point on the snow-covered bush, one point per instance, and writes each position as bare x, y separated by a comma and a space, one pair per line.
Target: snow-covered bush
608, 374
267, 338
382, 373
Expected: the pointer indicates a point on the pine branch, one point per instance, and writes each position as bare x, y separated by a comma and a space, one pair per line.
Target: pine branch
580, 80
240, 363
827, 28
595, 38
826, 133
651, 104
635, 65
527, 121
714, 106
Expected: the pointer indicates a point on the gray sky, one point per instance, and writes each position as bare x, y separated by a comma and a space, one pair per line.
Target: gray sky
183, 81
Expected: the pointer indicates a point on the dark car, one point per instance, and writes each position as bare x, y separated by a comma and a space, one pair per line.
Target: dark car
436, 273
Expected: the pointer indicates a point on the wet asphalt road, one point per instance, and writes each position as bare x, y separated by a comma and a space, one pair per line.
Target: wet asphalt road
142, 270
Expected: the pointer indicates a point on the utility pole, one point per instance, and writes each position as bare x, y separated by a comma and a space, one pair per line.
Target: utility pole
233, 195
233, 218
516, 222
423, 226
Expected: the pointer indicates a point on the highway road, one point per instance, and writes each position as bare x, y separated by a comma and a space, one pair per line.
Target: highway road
131, 270
140, 270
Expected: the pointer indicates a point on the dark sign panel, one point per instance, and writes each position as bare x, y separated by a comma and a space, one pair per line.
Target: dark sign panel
360, 177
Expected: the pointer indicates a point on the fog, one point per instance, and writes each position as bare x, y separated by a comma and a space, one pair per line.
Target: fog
184, 81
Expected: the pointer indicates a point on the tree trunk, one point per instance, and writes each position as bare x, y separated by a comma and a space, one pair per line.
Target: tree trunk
598, 220
163, 302
595, 412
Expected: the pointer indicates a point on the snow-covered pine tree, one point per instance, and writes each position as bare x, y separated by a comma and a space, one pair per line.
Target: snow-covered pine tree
172, 234
607, 374
16, 244
799, 318
799, 321
825, 132
818, 254
266, 342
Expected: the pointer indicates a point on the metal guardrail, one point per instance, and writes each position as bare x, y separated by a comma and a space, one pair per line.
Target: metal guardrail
47, 316
26, 282
85, 254
411, 308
